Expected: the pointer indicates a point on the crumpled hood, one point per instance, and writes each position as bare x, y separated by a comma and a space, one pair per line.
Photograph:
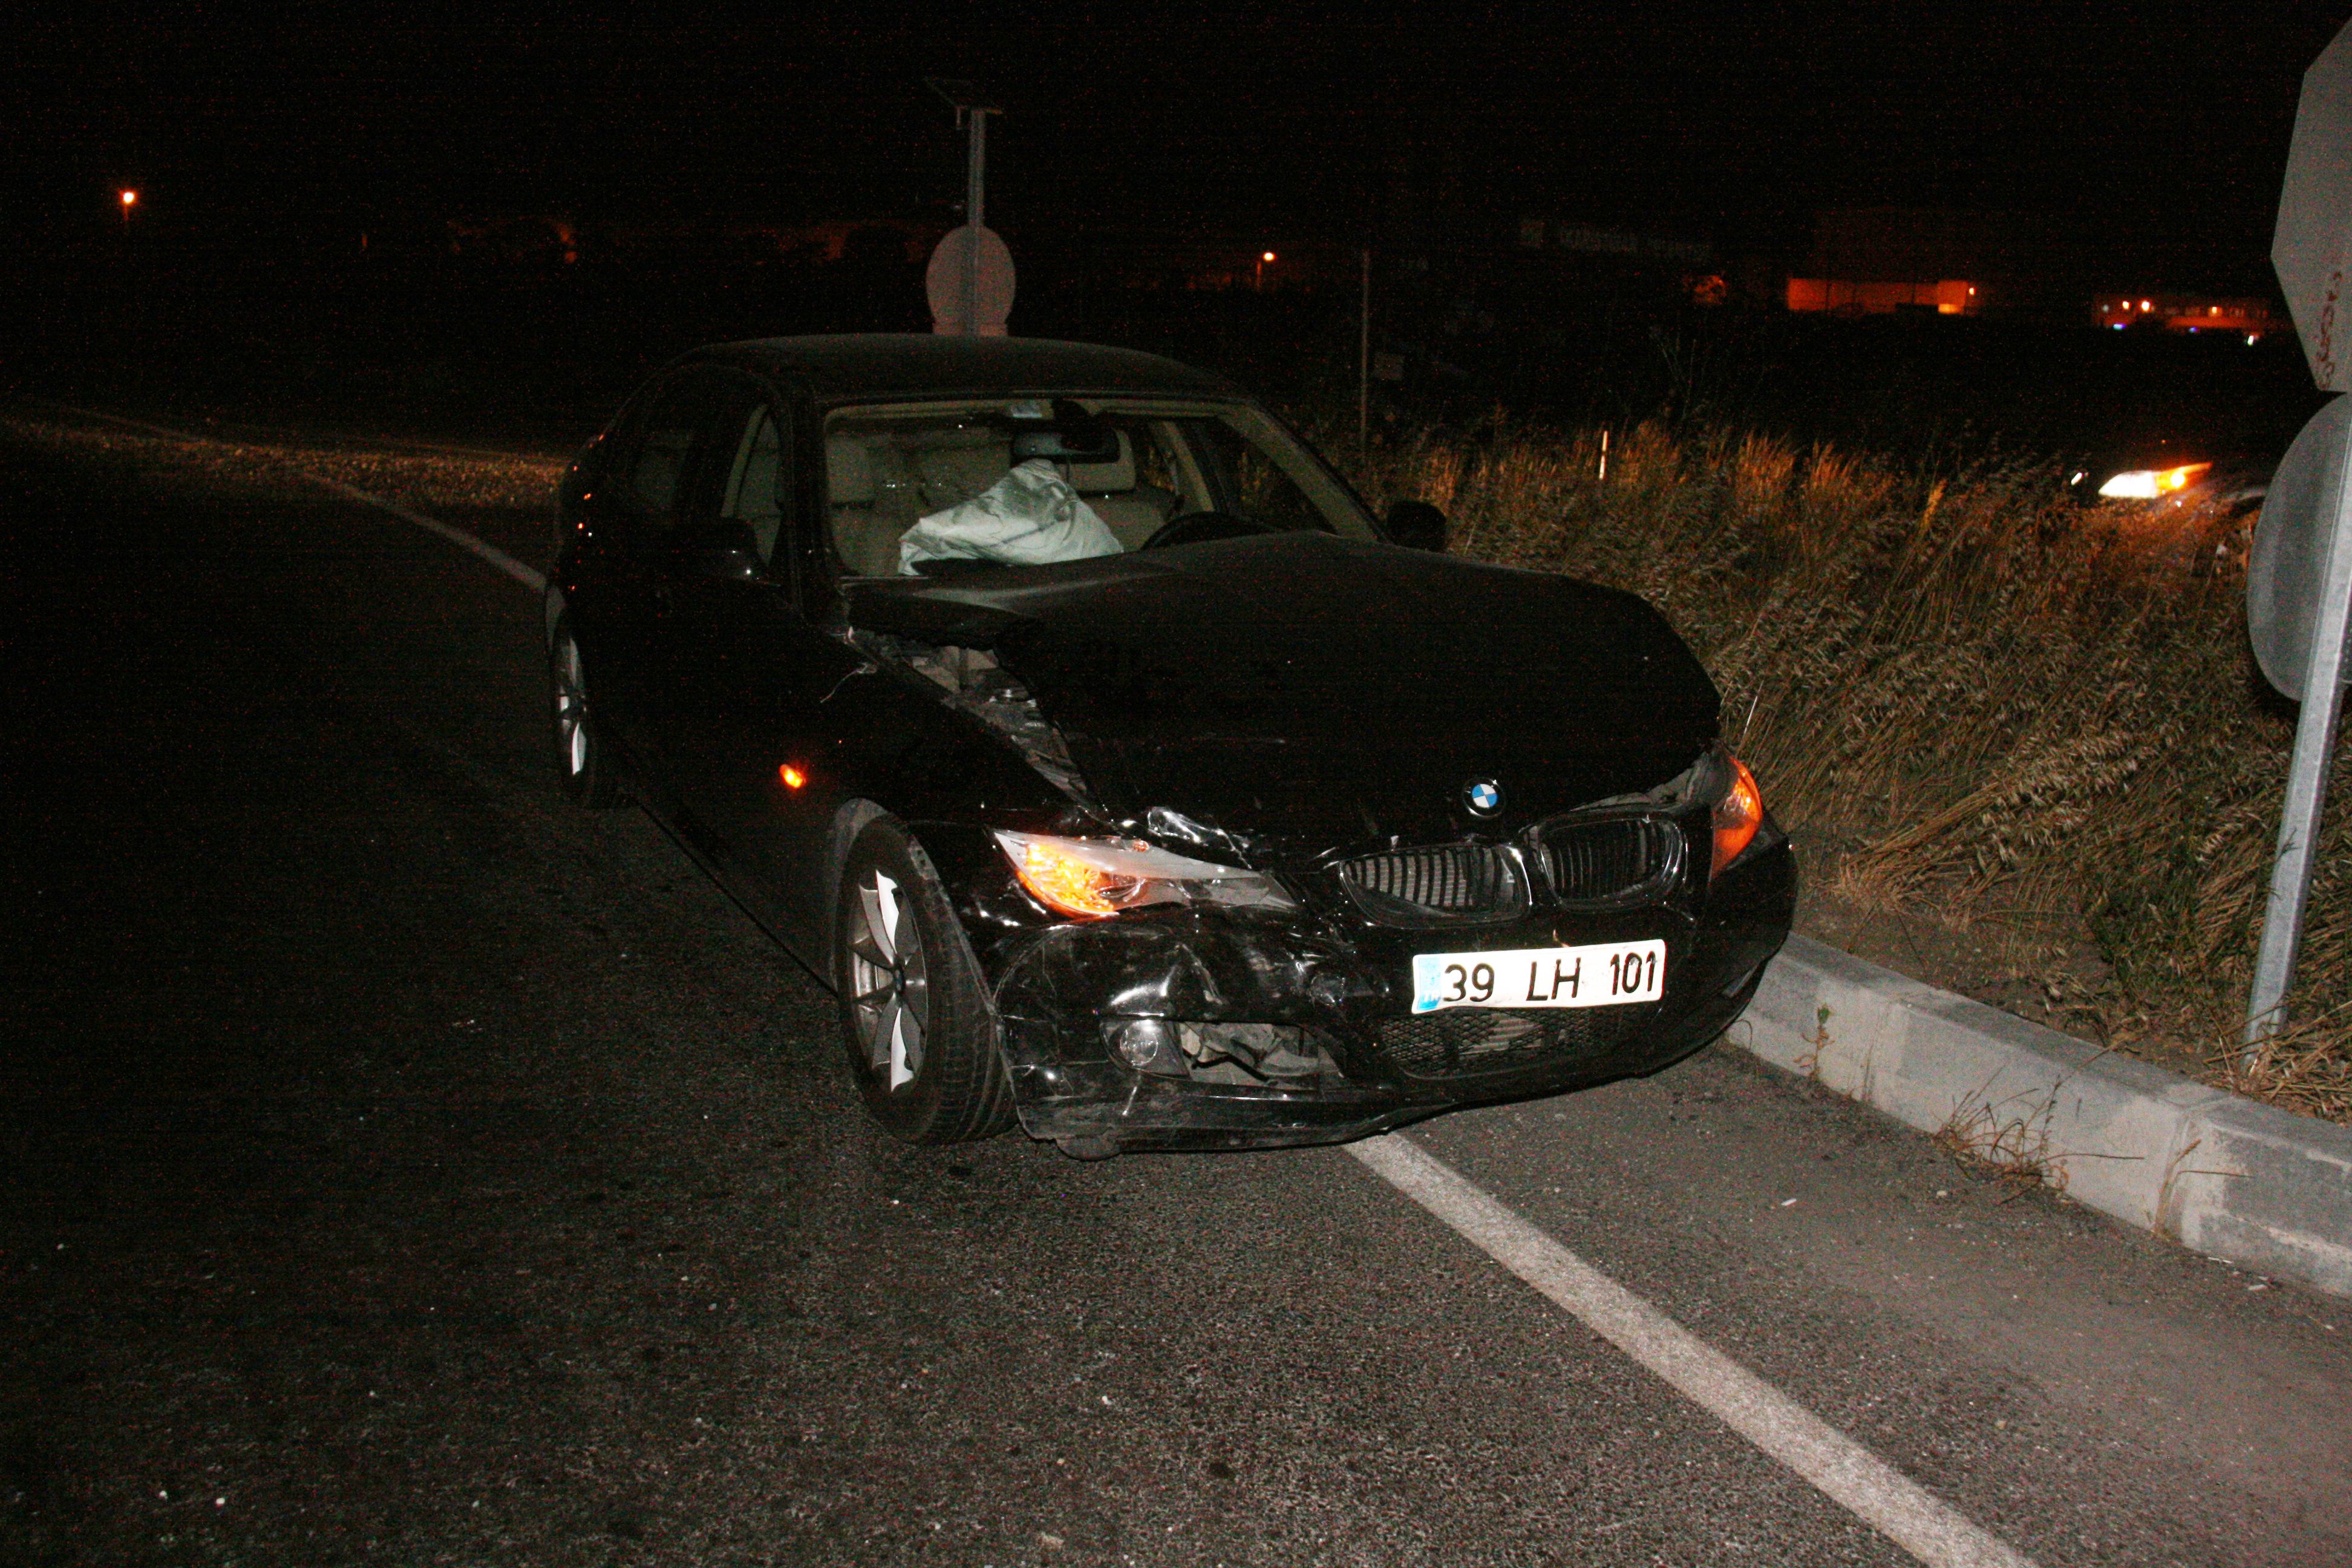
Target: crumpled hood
1321, 691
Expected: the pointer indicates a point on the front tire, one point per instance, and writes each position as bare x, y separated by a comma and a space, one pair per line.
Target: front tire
583, 763
921, 1033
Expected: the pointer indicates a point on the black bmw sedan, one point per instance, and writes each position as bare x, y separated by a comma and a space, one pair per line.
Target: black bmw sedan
1119, 773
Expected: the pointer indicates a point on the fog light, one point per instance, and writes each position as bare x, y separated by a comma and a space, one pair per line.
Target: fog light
1146, 1045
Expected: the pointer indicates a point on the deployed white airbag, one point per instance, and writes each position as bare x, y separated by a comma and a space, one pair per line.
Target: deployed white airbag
1031, 516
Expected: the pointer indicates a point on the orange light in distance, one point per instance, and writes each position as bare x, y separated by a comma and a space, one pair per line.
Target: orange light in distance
2179, 479
794, 778
1737, 815
130, 198
1268, 256
1066, 884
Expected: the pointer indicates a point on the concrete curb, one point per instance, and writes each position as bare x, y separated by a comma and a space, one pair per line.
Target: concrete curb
2221, 1175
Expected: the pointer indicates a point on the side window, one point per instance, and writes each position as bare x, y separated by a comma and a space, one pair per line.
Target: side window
664, 449
613, 457
1153, 464
1170, 462
671, 469
756, 487
1253, 484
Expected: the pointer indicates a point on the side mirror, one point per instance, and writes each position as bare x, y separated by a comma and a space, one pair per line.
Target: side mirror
1416, 525
726, 549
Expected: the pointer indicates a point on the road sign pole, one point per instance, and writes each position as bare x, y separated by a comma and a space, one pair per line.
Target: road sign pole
1364, 366
969, 279
2306, 781
975, 190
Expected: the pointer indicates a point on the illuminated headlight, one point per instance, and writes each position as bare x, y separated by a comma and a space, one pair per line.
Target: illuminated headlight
1090, 878
2153, 484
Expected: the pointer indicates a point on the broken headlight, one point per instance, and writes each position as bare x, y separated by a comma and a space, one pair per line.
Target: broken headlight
1094, 878
1724, 781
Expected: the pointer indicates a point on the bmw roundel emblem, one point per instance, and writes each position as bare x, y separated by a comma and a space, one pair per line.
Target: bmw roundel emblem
1483, 796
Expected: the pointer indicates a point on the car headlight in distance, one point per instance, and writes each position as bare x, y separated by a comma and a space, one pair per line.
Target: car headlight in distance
2153, 484
1737, 815
1093, 878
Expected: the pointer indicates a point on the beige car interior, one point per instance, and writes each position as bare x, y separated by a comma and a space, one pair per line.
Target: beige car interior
879, 481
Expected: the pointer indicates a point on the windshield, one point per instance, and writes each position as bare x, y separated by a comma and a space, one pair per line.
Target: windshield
923, 488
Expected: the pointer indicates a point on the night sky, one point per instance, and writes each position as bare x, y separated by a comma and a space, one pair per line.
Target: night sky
2152, 132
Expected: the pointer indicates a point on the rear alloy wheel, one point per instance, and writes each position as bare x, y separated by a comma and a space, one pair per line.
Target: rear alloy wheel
914, 1013
581, 761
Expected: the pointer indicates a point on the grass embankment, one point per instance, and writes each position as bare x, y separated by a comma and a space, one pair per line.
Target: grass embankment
1977, 702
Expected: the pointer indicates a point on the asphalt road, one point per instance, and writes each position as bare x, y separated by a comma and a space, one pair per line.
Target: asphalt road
397, 1165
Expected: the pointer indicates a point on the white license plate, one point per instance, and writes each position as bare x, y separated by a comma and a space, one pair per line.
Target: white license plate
1600, 975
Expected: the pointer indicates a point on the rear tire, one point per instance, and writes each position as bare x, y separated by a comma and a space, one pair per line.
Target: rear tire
915, 1015
583, 762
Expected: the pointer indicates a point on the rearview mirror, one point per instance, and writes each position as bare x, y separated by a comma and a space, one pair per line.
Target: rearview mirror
1416, 525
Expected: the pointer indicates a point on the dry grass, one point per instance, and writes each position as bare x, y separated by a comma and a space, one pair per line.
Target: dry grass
2023, 719
2305, 1066
449, 482
2010, 1145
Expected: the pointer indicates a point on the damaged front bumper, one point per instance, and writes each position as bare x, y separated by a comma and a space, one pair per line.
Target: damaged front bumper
1187, 1029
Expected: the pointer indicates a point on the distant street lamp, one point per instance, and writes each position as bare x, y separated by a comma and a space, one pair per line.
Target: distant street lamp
129, 200
1263, 257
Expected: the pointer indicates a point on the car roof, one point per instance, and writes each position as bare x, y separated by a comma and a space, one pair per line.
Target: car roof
844, 366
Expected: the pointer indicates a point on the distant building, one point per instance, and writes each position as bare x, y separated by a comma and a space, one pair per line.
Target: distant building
1870, 261
2248, 317
1854, 297
520, 239
1543, 234
1594, 258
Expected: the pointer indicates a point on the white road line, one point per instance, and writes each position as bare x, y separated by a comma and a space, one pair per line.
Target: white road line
1848, 1473
456, 536
490, 553
1841, 1469
135, 424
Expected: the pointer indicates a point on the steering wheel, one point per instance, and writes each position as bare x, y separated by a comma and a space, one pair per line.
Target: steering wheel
1199, 527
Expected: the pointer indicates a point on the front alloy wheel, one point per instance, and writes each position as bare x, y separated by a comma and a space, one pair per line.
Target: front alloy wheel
581, 761
887, 992
915, 1015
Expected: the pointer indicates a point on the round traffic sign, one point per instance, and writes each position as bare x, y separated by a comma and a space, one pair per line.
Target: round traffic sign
2287, 572
944, 281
